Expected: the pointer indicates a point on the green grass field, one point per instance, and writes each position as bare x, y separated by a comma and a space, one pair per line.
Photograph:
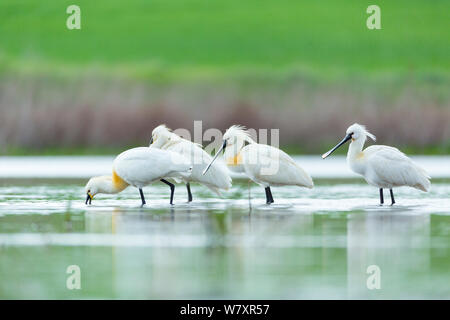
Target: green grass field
199, 38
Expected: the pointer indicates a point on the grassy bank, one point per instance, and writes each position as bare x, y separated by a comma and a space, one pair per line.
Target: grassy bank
176, 39
102, 151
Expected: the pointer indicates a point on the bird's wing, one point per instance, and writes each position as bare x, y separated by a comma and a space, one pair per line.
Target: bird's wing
141, 166
393, 167
274, 166
179, 142
217, 175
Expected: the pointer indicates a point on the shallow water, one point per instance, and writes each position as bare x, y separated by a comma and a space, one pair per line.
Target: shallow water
309, 244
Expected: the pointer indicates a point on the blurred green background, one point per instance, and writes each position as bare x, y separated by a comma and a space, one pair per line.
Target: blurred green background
308, 68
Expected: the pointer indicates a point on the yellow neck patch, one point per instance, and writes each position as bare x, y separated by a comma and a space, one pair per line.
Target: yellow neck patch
234, 161
360, 155
118, 182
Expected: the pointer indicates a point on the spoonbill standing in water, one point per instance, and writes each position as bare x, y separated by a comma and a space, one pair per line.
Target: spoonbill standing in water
216, 179
263, 164
381, 166
139, 167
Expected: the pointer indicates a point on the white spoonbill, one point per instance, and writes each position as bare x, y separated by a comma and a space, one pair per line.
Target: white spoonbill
263, 164
139, 167
217, 177
381, 166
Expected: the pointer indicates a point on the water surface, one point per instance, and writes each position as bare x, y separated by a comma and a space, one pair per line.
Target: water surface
309, 244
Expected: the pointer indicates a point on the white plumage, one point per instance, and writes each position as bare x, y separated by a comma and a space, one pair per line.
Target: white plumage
381, 166
142, 166
285, 170
139, 167
266, 165
217, 177
388, 167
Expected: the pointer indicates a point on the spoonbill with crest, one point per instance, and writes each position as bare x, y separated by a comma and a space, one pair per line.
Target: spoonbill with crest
266, 165
381, 166
139, 167
217, 178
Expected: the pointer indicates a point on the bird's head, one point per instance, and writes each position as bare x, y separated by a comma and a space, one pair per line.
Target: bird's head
97, 185
160, 136
236, 135
233, 139
356, 132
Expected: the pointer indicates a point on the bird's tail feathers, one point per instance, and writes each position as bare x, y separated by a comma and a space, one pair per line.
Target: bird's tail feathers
424, 183
306, 180
310, 182
215, 190
423, 186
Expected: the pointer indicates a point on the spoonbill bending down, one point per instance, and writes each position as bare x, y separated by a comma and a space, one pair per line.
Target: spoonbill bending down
139, 167
263, 164
216, 179
381, 166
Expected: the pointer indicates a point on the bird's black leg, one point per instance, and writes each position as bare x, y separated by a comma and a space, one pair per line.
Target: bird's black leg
142, 196
392, 197
188, 187
269, 198
88, 197
381, 196
172, 189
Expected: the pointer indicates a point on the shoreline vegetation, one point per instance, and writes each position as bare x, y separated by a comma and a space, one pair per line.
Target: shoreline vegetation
92, 115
